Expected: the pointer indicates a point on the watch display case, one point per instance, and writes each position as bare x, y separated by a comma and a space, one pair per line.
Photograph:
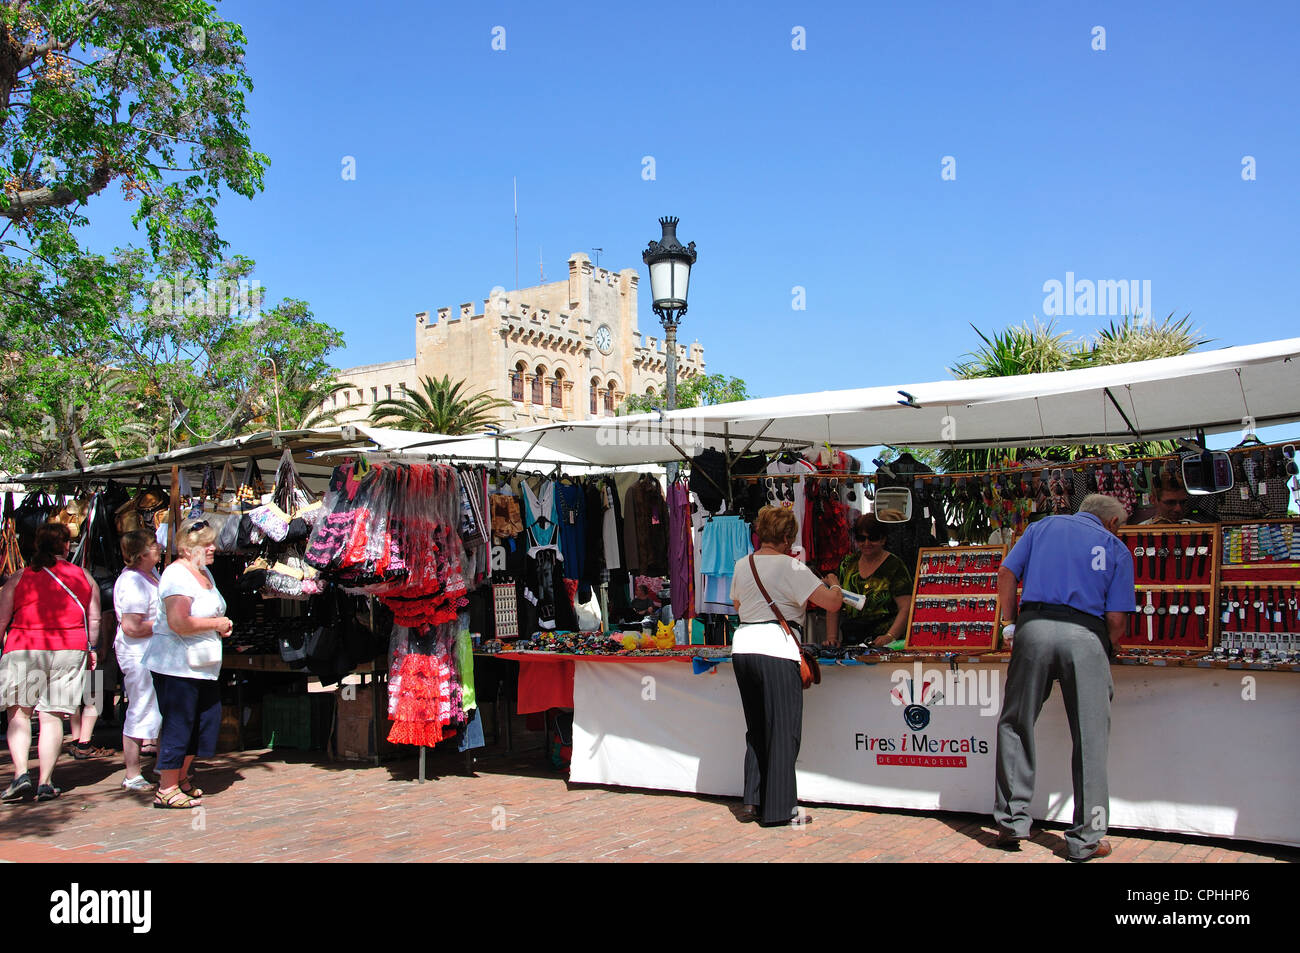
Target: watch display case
1175, 568
955, 599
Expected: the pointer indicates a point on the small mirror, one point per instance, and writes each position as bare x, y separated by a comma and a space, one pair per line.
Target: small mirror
1208, 472
893, 505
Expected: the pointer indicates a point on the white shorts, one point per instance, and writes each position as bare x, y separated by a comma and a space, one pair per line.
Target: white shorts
49, 680
143, 720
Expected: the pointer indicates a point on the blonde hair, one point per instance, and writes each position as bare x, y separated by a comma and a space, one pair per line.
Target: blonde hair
776, 525
135, 544
194, 533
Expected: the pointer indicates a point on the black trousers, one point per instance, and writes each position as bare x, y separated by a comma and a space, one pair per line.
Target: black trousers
772, 696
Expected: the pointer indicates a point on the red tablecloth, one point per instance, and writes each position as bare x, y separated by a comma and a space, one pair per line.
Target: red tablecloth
546, 679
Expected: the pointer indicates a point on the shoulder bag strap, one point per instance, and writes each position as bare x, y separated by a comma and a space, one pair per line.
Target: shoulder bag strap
753, 567
85, 612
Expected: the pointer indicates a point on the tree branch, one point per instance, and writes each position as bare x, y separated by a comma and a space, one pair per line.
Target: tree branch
45, 197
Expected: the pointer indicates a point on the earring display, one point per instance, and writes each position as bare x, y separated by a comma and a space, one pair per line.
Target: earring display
955, 599
1175, 568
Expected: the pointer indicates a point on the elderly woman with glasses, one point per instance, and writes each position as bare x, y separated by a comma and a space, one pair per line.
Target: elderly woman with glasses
881, 578
184, 655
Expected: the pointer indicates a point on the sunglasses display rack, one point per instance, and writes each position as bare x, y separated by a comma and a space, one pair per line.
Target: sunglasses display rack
1175, 569
955, 599
1259, 590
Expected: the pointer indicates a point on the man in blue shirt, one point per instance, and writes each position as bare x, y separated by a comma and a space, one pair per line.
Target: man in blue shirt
1078, 592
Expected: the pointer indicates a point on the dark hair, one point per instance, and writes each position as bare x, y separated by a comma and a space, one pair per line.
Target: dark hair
50, 540
868, 525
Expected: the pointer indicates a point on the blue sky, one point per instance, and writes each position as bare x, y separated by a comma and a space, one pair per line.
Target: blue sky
818, 168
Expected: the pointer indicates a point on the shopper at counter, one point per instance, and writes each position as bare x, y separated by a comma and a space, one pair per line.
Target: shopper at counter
184, 655
1078, 592
879, 576
766, 663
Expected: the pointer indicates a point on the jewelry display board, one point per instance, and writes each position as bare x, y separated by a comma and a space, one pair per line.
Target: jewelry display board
955, 599
1175, 569
1259, 589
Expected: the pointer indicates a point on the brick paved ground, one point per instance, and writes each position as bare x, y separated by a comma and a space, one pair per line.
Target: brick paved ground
289, 806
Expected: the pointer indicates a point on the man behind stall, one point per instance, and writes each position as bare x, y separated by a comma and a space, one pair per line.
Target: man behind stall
1171, 502
1078, 592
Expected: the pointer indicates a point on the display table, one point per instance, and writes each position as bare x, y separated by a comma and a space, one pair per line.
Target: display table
1192, 750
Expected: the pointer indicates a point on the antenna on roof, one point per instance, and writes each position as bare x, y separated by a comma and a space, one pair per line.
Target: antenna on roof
598, 251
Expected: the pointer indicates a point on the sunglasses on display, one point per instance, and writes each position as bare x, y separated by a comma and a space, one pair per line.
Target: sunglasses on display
1288, 452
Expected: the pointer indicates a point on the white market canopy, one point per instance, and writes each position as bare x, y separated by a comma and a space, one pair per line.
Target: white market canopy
1121, 403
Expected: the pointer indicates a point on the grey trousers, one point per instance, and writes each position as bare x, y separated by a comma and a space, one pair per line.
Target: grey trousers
1047, 650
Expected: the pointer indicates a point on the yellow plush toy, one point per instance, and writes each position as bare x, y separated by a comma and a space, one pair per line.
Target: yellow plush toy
665, 637
630, 641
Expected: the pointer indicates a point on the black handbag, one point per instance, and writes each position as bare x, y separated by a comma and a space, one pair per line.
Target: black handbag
30, 515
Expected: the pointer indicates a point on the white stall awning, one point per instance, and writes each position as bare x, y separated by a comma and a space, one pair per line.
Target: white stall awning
1219, 391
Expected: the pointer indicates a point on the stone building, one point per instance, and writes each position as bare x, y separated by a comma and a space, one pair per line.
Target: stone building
565, 350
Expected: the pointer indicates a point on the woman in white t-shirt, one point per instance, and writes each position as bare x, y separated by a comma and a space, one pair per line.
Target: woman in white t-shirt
184, 655
135, 602
766, 662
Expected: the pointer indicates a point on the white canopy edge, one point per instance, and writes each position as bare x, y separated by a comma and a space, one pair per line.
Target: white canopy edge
1232, 388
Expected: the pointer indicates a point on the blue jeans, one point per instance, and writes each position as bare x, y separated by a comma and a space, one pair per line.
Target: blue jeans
191, 718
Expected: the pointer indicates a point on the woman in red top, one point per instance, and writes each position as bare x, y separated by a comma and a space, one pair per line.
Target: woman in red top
49, 615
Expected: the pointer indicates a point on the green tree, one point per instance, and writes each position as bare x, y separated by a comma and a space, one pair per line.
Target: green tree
442, 408
701, 391
149, 93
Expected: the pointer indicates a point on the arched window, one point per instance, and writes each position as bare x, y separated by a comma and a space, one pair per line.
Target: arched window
557, 389
517, 382
609, 398
538, 392
595, 390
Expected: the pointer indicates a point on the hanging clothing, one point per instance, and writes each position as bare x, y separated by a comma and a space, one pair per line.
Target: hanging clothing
928, 525
541, 516
681, 562
791, 497
611, 525
646, 533
726, 540
594, 540
571, 508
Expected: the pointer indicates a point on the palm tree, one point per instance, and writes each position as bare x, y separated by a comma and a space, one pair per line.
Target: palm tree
443, 408
1038, 348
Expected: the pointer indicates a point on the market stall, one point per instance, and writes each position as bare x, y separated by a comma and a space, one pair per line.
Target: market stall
667, 726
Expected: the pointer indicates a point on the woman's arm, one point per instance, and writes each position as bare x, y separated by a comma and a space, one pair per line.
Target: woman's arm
95, 612
7, 603
899, 624
181, 622
136, 625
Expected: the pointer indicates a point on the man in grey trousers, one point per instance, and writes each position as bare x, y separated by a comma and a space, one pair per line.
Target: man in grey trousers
1078, 592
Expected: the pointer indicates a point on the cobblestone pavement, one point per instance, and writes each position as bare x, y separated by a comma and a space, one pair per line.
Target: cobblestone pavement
285, 805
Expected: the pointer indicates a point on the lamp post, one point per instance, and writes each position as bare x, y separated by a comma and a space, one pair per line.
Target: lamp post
670, 275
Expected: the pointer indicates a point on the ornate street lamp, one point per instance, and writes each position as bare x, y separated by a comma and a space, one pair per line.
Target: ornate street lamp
670, 275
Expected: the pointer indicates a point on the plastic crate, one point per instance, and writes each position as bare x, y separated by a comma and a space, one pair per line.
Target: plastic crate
296, 721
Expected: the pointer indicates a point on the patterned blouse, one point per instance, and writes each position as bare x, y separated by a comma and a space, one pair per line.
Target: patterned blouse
890, 580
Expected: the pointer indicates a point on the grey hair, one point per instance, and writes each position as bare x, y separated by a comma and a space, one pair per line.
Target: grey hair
1104, 507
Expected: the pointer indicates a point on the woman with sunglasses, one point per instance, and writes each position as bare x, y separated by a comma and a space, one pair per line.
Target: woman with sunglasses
880, 577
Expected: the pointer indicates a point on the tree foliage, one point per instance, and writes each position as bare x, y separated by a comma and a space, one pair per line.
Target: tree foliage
1037, 348
444, 407
701, 391
149, 94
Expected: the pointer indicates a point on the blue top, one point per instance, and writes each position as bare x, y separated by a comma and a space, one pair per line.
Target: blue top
1074, 561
